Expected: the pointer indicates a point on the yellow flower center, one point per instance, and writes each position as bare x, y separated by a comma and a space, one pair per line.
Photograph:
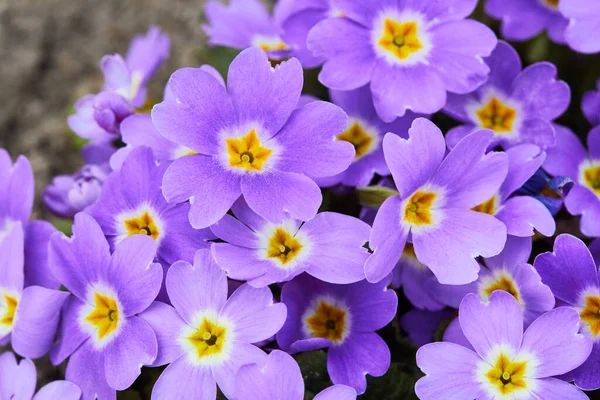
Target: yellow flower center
105, 316
487, 207
247, 152
361, 140
507, 376
418, 208
590, 314
497, 116
327, 322
591, 177
501, 282
10, 306
551, 3
400, 38
142, 225
283, 246
208, 339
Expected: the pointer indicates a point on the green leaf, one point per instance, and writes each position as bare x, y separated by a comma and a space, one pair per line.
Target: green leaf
374, 196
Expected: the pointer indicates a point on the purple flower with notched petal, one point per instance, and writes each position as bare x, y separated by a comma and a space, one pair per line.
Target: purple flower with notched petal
329, 247
507, 271
365, 132
519, 106
131, 203
590, 104
264, 381
437, 194
246, 23
549, 191
410, 52
29, 315
128, 77
426, 326
251, 140
98, 117
206, 337
504, 361
569, 158
100, 329
571, 273
524, 19
584, 24
342, 318
69, 194
18, 381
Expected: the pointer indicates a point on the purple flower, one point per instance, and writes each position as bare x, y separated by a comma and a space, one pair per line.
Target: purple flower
549, 191
18, 381
243, 24
206, 337
584, 24
251, 140
279, 377
569, 158
28, 315
425, 326
571, 273
437, 194
509, 272
524, 19
519, 106
411, 53
100, 329
131, 203
365, 132
590, 104
504, 362
342, 318
69, 194
129, 77
98, 117
329, 247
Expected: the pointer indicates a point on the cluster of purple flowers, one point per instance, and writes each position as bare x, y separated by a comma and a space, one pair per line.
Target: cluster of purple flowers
202, 241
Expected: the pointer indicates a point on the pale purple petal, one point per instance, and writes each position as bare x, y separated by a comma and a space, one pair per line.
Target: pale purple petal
523, 214
63, 390
166, 324
86, 370
183, 381
242, 353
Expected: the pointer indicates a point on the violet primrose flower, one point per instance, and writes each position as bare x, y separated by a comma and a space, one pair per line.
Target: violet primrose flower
206, 337
329, 247
279, 377
437, 194
518, 105
411, 53
343, 319
505, 362
584, 24
251, 141
100, 329
18, 381
590, 105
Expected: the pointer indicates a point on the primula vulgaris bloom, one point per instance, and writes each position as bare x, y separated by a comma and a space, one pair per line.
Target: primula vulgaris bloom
524, 19
279, 377
435, 204
29, 315
100, 329
551, 192
590, 105
246, 23
18, 381
569, 158
329, 247
571, 273
410, 52
518, 105
251, 140
424, 326
206, 337
365, 131
584, 24
342, 318
506, 363
131, 203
